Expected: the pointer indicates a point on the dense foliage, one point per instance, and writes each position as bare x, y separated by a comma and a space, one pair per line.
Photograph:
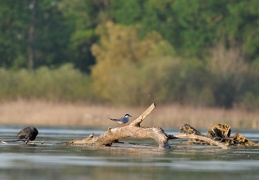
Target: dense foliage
131, 52
60, 84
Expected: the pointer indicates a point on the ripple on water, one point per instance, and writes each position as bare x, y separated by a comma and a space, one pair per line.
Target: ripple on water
147, 157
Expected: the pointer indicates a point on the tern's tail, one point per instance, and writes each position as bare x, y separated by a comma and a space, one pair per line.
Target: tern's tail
113, 119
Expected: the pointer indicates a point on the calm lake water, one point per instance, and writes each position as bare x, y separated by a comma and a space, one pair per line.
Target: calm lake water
142, 160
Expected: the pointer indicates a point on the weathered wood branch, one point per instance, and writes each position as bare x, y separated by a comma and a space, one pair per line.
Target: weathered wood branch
139, 119
199, 137
132, 130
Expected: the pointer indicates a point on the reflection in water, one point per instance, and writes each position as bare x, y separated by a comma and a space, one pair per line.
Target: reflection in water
134, 160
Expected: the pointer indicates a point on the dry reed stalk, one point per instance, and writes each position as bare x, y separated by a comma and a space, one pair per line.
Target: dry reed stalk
52, 113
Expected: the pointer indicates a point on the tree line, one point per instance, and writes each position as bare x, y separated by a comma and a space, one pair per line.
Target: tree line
133, 52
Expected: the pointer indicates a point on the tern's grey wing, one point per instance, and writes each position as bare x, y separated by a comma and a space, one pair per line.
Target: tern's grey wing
119, 120
114, 119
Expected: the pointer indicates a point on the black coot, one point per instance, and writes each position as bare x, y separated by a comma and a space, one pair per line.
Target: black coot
28, 133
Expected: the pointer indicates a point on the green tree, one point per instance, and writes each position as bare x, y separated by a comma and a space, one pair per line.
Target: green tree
127, 69
232, 78
84, 16
14, 17
33, 31
193, 27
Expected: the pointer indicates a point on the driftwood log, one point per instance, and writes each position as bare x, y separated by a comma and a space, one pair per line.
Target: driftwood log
218, 133
134, 130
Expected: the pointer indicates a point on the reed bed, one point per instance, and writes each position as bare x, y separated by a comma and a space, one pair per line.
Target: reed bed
46, 113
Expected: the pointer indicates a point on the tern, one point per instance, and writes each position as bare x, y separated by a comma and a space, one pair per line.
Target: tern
122, 120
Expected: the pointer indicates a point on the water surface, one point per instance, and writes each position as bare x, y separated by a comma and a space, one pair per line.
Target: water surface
134, 159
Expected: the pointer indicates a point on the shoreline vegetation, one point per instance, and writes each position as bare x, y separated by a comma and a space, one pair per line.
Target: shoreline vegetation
64, 65
49, 113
